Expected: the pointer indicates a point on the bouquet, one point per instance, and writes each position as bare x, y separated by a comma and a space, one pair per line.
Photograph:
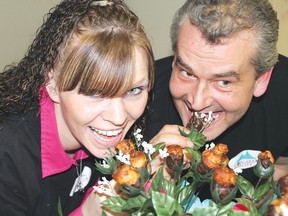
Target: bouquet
146, 192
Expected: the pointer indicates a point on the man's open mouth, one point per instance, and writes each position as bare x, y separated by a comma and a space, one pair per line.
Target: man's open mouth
200, 121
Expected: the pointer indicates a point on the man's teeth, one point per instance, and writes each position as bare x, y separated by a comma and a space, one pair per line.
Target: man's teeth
107, 133
207, 117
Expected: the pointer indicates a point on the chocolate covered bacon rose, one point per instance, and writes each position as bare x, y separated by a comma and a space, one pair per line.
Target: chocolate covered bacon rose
265, 165
176, 156
213, 158
223, 185
129, 173
125, 146
278, 207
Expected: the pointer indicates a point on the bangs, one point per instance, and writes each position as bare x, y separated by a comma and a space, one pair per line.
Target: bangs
100, 64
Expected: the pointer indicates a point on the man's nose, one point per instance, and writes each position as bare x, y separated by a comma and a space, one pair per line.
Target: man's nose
200, 97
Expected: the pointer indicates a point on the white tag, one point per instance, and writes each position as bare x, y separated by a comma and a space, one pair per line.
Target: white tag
81, 181
244, 160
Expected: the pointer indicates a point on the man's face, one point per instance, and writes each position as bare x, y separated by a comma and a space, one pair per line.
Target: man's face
214, 77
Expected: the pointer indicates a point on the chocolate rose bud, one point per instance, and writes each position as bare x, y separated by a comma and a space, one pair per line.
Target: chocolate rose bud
199, 121
278, 207
213, 158
283, 184
127, 175
175, 158
265, 165
195, 123
125, 146
138, 159
223, 188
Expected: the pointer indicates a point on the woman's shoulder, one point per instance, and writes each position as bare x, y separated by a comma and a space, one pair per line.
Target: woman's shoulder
20, 131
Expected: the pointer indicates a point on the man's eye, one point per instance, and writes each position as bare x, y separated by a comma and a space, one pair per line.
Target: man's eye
224, 83
187, 75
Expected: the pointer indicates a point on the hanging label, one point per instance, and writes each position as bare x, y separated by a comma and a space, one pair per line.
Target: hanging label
81, 181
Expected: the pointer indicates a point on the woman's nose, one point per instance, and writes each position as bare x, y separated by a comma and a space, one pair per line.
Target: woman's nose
115, 112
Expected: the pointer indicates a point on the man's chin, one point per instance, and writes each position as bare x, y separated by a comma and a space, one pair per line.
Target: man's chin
210, 134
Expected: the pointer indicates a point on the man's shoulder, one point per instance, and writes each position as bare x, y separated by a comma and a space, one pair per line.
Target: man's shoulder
279, 79
283, 60
166, 61
163, 65
163, 69
281, 66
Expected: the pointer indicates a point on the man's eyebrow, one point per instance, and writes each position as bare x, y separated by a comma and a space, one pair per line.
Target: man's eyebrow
228, 74
218, 75
181, 62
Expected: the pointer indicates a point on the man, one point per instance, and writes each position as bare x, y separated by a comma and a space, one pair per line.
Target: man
225, 62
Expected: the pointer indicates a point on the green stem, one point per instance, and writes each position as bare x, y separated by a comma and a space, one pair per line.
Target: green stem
256, 186
143, 193
176, 176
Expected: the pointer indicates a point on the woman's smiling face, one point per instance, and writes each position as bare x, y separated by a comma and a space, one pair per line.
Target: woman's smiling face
97, 122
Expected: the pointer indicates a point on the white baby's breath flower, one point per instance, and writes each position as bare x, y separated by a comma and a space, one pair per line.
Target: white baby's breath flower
105, 181
163, 153
209, 119
238, 170
137, 132
139, 137
124, 158
209, 146
148, 148
105, 164
104, 187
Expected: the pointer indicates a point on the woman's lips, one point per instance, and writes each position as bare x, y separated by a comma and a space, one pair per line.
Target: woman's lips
107, 137
107, 132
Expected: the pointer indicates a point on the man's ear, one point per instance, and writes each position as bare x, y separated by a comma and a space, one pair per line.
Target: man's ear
262, 83
51, 87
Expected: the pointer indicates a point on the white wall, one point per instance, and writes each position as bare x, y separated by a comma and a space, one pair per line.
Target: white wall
281, 6
19, 20
156, 16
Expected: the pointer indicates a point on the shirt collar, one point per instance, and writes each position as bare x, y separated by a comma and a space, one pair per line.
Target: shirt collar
53, 157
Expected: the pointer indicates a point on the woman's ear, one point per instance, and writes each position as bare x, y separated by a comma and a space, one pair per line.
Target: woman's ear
262, 83
51, 87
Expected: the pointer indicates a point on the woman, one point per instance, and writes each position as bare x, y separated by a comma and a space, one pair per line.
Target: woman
81, 86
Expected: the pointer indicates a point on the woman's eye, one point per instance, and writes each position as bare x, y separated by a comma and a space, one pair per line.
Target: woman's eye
135, 91
96, 95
